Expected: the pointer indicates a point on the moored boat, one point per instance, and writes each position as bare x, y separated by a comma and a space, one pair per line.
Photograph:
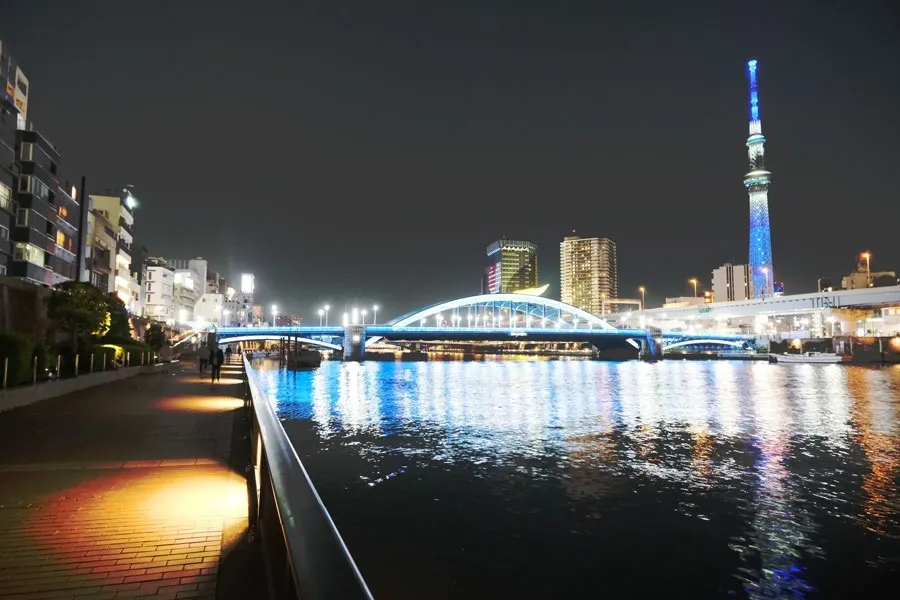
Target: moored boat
823, 358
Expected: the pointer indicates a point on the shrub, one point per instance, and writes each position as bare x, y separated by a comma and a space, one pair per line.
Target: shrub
20, 352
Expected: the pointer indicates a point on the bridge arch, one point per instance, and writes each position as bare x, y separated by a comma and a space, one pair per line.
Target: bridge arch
504, 310
233, 339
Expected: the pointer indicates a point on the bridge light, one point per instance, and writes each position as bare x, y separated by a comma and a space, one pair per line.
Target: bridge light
346, 319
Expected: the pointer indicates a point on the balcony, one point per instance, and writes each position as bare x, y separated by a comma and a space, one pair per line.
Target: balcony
124, 225
100, 260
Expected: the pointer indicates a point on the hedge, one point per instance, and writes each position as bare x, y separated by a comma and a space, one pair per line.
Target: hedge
20, 352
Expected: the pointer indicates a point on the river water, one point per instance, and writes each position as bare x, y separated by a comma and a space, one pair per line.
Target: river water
586, 479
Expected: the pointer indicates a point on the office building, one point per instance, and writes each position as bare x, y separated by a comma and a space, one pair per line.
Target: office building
7, 182
731, 282
757, 179
589, 273
512, 265
159, 290
864, 277
210, 310
13, 89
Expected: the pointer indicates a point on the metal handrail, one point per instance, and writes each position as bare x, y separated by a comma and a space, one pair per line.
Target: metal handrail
319, 565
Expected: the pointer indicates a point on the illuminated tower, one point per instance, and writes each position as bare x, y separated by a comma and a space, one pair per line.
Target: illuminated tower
762, 276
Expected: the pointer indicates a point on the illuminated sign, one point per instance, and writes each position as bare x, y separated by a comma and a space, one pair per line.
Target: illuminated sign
247, 283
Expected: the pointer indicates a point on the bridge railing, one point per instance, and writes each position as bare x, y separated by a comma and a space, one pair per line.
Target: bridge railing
305, 555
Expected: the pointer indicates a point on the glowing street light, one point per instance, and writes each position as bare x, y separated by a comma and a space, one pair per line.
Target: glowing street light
321, 314
642, 290
326, 314
375, 315
693, 281
868, 256
363, 313
274, 314
346, 319
437, 320
355, 316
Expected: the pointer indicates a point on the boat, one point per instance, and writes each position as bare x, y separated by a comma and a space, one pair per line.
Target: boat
818, 358
303, 358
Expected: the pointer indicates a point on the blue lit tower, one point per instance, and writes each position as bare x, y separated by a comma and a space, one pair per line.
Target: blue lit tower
757, 183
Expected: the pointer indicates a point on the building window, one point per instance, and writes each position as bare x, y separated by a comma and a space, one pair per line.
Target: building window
24, 183
30, 253
4, 233
149, 287
63, 212
22, 217
26, 151
5, 198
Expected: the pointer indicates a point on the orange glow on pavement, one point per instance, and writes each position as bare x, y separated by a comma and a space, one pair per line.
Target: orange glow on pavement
200, 404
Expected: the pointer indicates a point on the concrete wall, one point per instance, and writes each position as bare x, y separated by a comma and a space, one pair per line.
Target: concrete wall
11, 398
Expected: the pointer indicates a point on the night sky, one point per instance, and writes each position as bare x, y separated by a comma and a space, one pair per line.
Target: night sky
357, 150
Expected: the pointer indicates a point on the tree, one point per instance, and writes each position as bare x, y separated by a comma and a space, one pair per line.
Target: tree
119, 320
155, 337
79, 309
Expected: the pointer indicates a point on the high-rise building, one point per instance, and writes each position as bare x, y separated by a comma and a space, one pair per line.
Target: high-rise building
731, 282
45, 233
117, 207
512, 265
100, 251
757, 179
13, 88
589, 273
190, 285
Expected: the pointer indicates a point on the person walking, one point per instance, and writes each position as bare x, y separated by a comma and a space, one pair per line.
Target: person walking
203, 357
228, 353
217, 370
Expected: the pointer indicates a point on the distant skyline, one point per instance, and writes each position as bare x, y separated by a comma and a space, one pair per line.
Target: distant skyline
347, 150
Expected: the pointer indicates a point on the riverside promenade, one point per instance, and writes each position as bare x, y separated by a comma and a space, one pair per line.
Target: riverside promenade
133, 489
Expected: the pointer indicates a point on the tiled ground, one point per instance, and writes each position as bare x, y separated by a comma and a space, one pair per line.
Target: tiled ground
142, 516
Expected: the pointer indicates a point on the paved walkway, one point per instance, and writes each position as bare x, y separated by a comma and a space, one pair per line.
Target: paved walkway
128, 490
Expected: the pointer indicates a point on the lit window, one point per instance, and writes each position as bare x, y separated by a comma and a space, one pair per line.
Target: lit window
29, 253
61, 238
5, 197
63, 211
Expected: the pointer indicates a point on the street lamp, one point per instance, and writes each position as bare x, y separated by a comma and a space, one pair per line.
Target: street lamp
363, 313
868, 256
326, 315
355, 318
321, 314
225, 321
274, 314
693, 281
642, 290
375, 315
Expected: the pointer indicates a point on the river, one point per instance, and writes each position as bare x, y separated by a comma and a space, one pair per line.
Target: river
586, 479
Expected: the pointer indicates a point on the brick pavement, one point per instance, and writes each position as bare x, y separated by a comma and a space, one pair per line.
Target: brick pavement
121, 491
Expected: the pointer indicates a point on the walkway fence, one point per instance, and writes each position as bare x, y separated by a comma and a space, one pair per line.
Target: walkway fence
305, 555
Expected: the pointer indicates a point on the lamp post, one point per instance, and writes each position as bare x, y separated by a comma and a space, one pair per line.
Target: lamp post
642, 290
868, 256
693, 281
274, 315
321, 314
326, 314
375, 315
363, 313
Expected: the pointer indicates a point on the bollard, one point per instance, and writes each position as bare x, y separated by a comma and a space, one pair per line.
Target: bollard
127, 358
58, 364
34, 372
142, 358
5, 368
104, 361
77, 356
91, 368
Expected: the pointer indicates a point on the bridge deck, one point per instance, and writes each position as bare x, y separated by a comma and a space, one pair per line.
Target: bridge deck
124, 490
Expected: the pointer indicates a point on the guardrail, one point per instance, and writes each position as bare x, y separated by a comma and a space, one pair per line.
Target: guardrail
305, 555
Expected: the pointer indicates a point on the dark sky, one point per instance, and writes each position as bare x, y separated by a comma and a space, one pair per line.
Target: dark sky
361, 150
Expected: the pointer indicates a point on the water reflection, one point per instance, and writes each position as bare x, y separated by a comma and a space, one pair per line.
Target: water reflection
759, 480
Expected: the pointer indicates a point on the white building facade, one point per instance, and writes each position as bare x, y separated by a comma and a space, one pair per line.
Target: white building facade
159, 291
731, 282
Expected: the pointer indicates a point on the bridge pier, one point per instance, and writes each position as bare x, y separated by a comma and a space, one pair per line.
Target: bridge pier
651, 348
354, 342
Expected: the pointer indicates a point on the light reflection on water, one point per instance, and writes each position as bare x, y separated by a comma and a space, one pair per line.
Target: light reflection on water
498, 479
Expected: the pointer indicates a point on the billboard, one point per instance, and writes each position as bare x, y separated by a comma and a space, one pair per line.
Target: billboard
247, 283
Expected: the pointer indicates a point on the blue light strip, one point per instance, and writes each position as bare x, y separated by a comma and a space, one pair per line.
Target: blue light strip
754, 97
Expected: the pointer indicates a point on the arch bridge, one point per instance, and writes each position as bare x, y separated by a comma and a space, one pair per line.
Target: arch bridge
482, 318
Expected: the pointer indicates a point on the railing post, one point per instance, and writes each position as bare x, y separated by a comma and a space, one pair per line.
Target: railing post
34, 372
5, 370
77, 356
58, 364
104, 361
91, 368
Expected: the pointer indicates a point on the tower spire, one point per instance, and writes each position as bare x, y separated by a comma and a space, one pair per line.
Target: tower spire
757, 182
